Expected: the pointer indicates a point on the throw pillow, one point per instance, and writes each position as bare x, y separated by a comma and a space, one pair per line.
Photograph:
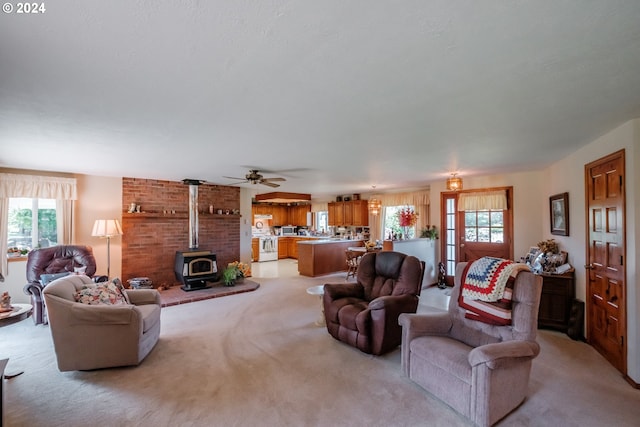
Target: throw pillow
45, 279
101, 294
118, 283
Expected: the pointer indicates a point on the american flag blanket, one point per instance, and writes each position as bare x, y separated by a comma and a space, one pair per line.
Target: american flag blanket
487, 286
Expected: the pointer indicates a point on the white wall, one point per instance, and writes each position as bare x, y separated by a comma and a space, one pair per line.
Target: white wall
568, 175
246, 221
527, 210
99, 198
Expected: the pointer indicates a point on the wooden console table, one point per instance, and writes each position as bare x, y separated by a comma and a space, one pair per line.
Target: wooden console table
558, 292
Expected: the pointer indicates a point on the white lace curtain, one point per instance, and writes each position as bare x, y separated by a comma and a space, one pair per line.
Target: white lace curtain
64, 190
485, 200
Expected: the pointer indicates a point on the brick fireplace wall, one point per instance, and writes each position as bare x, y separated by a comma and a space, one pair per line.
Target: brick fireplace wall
151, 238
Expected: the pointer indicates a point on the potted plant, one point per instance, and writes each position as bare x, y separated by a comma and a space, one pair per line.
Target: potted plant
229, 276
235, 273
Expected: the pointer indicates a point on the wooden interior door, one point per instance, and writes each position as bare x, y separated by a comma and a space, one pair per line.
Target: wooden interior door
606, 287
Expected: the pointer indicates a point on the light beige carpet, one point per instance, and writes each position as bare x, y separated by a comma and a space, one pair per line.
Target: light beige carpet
258, 359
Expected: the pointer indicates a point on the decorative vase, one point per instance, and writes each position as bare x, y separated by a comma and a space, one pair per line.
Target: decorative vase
405, 233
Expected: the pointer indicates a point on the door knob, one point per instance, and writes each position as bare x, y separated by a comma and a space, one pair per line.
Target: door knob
589, 266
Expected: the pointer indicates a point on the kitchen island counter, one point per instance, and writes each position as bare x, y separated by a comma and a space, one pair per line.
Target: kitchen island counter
324, 256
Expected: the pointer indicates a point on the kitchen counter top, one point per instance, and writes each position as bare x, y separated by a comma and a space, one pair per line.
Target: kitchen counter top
324, 240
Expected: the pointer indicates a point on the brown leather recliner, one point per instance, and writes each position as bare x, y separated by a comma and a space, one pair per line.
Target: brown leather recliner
54, 260
365, 314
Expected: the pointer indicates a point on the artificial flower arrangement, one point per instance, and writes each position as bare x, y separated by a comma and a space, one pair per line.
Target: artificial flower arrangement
547, 246
407, 217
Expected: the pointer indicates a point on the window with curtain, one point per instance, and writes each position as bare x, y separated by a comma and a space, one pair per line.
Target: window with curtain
391, 203
47, 191
391, 224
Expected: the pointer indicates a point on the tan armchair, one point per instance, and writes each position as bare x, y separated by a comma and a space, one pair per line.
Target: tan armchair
100, 336
480, 370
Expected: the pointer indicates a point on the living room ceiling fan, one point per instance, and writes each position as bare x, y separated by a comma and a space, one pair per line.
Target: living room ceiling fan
254, 177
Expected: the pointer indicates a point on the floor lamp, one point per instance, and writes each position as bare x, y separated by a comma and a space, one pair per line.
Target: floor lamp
107, 228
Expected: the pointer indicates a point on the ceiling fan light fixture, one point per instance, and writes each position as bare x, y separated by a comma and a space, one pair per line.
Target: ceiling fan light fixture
454, 183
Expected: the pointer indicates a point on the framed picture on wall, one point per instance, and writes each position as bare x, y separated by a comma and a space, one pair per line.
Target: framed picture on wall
559, 211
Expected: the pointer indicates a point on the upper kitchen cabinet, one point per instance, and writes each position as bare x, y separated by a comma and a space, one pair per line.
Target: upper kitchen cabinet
280, 215
298, 215
360, 213
336, 214
354, 212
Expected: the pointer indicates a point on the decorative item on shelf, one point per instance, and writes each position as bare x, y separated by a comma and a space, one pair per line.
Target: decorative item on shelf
132, 208
454, 183
429, 233
546, 258
211, 209
407, 218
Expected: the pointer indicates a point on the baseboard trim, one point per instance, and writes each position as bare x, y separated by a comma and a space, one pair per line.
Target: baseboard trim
632, 382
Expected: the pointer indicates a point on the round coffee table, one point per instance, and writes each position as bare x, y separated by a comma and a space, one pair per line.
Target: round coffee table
318, 291
19, 312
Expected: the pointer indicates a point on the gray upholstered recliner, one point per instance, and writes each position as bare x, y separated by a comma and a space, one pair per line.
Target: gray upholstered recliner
100, 336
480, 370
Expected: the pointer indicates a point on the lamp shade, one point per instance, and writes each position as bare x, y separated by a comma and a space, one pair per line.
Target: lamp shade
454, 183
106, 228
374, 206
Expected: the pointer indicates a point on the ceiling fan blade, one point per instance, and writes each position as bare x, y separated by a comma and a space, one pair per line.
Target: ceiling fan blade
233, 177
273, 179
270, 184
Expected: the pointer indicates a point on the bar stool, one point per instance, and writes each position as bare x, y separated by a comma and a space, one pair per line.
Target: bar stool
353, 259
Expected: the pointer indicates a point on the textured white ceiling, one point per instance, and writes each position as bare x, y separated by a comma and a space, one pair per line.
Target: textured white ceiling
335, 96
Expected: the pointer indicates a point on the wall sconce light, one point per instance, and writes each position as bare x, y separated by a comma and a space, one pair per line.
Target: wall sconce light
107, 228
374, 204
454, 183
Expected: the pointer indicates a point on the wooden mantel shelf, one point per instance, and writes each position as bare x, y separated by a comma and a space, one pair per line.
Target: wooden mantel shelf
177, 215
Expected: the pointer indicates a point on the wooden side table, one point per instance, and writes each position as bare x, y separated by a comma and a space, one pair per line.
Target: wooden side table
20, 312
558, 292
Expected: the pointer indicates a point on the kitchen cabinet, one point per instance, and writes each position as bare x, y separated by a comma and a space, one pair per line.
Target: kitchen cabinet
283, 247
279, 214
353, 212
558, 292
324, 257
336, 214
282, 214
255, 248
360, 213
298, 215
